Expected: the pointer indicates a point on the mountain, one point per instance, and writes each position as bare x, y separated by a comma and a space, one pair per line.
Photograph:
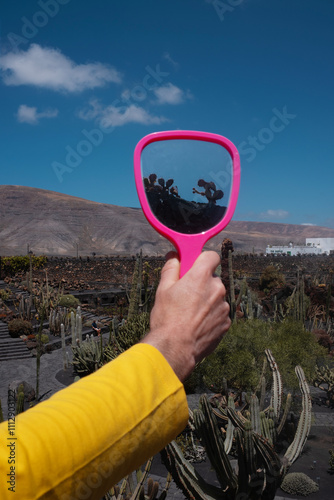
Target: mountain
52, 223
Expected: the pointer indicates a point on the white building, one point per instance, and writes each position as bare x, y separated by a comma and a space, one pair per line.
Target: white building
326, 244
314, 246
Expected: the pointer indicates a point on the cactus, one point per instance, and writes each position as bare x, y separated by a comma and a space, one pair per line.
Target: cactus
298, 483
133, 488
304, 424
325, 375
261, 388
229, 429
20, 399
232, 290
42, 314
285, 414
249, 305
132, 331
63, 346
58, 316
73, 328
298, 302
255, 414
89, 356
45, 298
260, 469
25, 307
78, 325
277, 387
135, 294
275, 307
248, 302
252, 479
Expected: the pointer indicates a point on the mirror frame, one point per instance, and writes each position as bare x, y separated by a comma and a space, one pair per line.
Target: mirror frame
189, 246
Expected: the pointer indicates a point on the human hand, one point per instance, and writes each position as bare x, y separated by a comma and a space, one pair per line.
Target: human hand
190, 315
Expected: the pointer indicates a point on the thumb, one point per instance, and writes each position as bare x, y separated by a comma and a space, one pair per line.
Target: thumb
170, 273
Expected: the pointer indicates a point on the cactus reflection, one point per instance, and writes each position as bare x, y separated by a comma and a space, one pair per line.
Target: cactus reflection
179, 214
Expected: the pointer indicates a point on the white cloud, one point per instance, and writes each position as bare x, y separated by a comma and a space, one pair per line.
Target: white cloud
49, 68
307, 224
170, 94
113, 116
274, 214
28, 114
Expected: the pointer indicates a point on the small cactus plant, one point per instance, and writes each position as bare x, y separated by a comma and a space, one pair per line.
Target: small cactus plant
298, 483
133, 488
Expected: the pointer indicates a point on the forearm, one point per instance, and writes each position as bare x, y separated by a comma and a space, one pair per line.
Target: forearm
90, 435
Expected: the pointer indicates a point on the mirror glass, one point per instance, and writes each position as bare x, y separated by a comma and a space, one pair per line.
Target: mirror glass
187, 183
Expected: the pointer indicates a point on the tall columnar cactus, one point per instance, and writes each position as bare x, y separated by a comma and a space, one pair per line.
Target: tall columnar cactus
73, 328
25, 307
296, 304
247, 302
63, 345
42, 315
20, 400
304, 424
57, 317
260, 469
277, 385
258, 472
275, 307
228, 441
232, 289
249, 305
78, 325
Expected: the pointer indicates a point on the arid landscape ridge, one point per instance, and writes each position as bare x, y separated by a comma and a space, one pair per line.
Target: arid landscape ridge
51, 223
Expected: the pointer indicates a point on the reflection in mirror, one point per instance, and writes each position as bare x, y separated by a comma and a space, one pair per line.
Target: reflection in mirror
187, 183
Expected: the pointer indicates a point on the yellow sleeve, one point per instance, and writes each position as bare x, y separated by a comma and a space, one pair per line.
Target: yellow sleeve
87, 437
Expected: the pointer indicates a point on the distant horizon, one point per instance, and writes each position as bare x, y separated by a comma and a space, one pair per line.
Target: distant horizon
139, 208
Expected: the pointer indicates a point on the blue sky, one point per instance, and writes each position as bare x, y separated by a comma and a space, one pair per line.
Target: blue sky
82, 82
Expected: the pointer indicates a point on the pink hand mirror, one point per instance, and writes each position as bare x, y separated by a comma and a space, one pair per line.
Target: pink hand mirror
188, 185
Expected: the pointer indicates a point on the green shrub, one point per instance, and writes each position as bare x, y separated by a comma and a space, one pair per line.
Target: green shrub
297, 483
271, 278
4, 294
69, 301
239, 356
13, 265
17, 327
294, 345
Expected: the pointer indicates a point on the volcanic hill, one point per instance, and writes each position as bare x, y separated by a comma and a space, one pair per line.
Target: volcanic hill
52, 223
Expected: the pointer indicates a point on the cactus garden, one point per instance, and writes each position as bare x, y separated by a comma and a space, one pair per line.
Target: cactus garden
254, 430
